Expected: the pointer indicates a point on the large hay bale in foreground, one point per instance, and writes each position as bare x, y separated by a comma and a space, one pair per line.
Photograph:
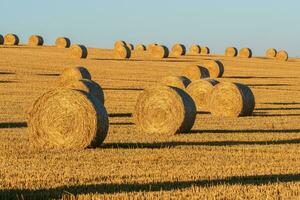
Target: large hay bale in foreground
122, 52
282, 55
11, 39
120, 43
78, 51
160, 51
130, 46
201, 91
74, 73
1, 39
176, 81
245, 53
271, 53
231, 100
204, 51
178, 50
194, 49
35, 40
140, 47
214, 67
231, 52
165, 110
67, 119
195, 72
63, 42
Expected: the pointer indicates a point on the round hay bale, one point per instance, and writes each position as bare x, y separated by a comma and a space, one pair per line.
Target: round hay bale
178, 50
205, 51
195, 72
11, 39
63, 42
195, 49
151, 46
88, 86
74, 73
78, 51
271, 53
164, 110
35, 40
176, 81
245, 53
160, 51
231, 52
130, 46
67, 119
122, 52
1, 39
200, 91
282, 55
232, 100
140, 47
120, 43
214, 67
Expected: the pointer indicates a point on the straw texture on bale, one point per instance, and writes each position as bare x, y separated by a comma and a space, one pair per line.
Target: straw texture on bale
214, 67
195, 49
271, 53
195, 72
122, 52
151, 46
231, 100
164, 110
201, 91
1, 39
78, 51
160, 51
205, 51
35, 40
282, 55
67, 119
74, 73
120, 43
63, 42
86, 85
130, 46
176, 81
178, 50
231, 52
140, 47
245, 53
11, 39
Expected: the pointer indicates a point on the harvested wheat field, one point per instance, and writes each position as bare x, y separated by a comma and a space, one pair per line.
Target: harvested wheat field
253, 157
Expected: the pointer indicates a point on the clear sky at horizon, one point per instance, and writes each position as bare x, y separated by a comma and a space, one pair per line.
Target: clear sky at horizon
256, 24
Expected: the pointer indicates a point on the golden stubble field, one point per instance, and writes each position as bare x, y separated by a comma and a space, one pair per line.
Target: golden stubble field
222, 158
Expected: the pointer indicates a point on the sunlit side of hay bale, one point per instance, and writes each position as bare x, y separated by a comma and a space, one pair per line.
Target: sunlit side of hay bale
35, 40
150, 47
204, 51
11, 39
160, 51
175, 81
245, 53
78, 51
271, 53
119, 43
178, 50
194, 49
231, 52
195, 72
74, 73
63, 42
140, 47
282, 55
122, 52
130, 46
214, 67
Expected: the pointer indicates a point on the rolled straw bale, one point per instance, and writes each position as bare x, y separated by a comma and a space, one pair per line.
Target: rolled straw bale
271, 53
282, 55
164, 110
231, 52
86, 85
195, 72
205, 51
122, 52
200, 91
232, 100
130, 46
35, 40
11, 39
63, 42
195, 49
140, 47
245, 53
151, 46
160, 51
78, 51
176, 81
67, 119
178, 50
214, 67
119, 43
1, 39
74, 73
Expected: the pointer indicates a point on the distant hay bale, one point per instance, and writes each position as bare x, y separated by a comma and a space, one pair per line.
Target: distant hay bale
130, 46
271, 53
78, 51
176, 81
74, 73
67, 119
214, 67
151, 46
282, 55
231, 52
231, 100
63, 42
120, 43
195, 49
200, 91
195, 72
11, 39
35, 40
1, 39
160, 51
164, 110
204, 51
245, 53
178, 50
140, 47
122, 52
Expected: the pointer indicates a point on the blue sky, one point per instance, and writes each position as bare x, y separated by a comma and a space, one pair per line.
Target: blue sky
256, 24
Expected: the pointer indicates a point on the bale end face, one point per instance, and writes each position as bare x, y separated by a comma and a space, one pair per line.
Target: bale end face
160, 52
119, 43
178, 50
195, 72
205, 51
231, 52
282, 55
214, 67
245, 53
122, 52
35, 40
11, 39
74, 73
271, 53
176, 81
79, 51
140, 47
195, 49
63, 42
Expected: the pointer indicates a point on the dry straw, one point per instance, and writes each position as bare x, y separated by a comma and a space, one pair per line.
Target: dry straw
201, 91
231, 52
1, 39
160, 51
150, 47
140, 47
214, 67
164, 110
122, 52
119, 43
130, 46
282, 55
195, 72
178, 50
245, 53
231, 100
35, 40
11, 39
271, 53
78, 51
63, 42
74, 73
67, 119
176, 81
205, 51
195, 49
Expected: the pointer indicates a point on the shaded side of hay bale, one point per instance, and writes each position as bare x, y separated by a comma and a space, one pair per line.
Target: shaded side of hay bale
119, 43
195, 49
122, 52
245, 53
201, 91
214, 67
35, 40
1, 39
160, 51
195, 72
176, 81
67, 119
11, 39
86, 85
231, 52
231, 100
63, 42
178, 50
78, 51
140, 47
74, 73
205, 51
164, 110
282, 55
271, 53
130, 46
